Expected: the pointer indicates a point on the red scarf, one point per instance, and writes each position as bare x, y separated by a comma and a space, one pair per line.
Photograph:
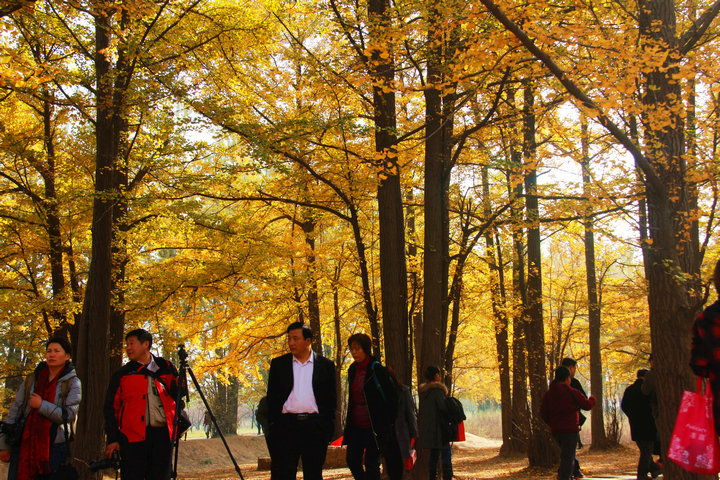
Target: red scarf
35, 445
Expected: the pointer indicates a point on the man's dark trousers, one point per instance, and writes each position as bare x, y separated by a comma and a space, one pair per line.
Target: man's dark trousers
299, 436
149, 459
568, 445
646, 464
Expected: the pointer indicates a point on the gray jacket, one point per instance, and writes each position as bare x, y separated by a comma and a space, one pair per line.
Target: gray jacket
406, 421
432, 410
52, 411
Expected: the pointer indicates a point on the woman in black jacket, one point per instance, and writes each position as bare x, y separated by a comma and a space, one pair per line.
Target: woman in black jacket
371, 410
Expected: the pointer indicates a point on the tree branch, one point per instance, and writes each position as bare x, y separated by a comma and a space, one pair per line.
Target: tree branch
573, 89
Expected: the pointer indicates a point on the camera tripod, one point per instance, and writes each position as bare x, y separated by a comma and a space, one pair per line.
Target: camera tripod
183, 370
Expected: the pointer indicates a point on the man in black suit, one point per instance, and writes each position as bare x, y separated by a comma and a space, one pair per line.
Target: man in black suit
302, 403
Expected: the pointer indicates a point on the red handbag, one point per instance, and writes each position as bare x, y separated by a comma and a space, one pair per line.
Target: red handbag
461, 432
412, 459
694, 445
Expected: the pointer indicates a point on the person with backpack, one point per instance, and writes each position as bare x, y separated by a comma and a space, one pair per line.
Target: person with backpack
636, 405
434, 433
372, 406
560, 410
38, 427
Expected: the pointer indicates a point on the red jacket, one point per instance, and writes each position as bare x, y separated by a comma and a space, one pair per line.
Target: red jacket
125, 401
561, 408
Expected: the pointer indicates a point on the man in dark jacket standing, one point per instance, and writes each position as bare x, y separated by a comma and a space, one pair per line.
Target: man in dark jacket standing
139, 411
432, 414
636, 406
571, 364
301, 407
560, 411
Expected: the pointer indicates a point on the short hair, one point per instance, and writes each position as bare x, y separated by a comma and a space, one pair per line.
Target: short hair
561, 374
141, 334
62, 341
568, 362
431, 371
641, 373
361, 339
306, 330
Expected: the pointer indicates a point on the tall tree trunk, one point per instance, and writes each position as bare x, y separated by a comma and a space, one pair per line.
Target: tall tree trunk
50, 206
541, 451
370, 308
499, 302
435, 286
225, 401
312, 292
393, 268
520, 412
121, 153
599, 437
469, 237
92, 344
416, 293
674, 261
339, 349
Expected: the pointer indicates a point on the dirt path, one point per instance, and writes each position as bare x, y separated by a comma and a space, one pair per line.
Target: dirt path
475, 459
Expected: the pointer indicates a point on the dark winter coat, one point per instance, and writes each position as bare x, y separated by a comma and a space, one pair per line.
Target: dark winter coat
406, 427
705, 353
636, 406
560, 408
59, 411
380, 397
432, 413
575, 383
126, 399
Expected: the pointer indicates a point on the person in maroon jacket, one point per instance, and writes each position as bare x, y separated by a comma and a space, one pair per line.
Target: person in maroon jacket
140, 409
560, 410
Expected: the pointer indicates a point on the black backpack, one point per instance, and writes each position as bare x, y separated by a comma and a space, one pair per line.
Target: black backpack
454, 416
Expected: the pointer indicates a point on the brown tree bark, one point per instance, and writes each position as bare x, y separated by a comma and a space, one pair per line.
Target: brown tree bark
308, 227
339, 349
52, 218
541, 449
121, 153
674, 294
597, 422
92, 345
520, 412
393, 266
499, 303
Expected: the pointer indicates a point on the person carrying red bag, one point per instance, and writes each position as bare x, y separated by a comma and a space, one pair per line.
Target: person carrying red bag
705, 352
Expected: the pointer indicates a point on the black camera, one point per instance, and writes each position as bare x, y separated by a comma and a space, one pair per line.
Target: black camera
112, 462
12, 431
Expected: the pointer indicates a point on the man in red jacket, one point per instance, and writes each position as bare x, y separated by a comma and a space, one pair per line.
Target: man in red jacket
560, 410
139, 411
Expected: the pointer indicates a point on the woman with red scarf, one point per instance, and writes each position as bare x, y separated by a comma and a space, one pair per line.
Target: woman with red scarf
46, 409
372, 405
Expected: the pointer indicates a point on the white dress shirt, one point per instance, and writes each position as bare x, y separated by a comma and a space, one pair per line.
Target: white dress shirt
302, 397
